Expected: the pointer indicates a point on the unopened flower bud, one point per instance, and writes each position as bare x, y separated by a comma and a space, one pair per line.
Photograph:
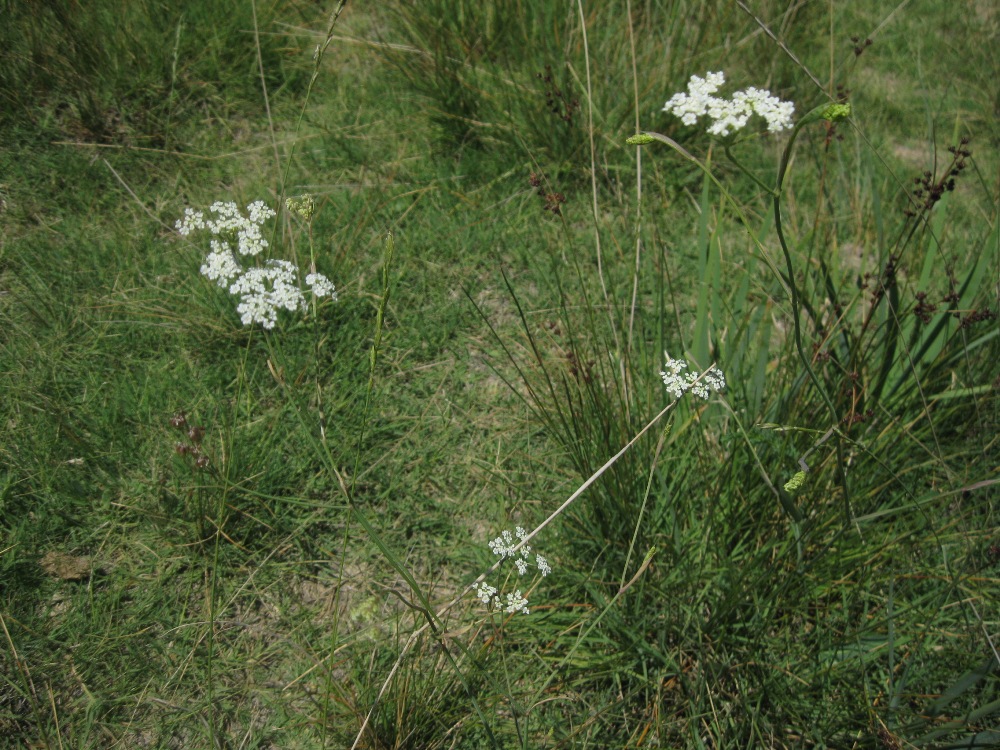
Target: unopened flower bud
833, 112
792, 485
303, 206
837, 112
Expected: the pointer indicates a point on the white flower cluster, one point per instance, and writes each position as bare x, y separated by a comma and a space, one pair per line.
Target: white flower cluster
263, 290
515, 601
504, 546
728, 115
678, 384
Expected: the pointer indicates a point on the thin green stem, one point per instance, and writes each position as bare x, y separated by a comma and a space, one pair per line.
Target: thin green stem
737, 209
793, 291
373, 353
786, 279
739, 165
214, 576
645, 500
317, 59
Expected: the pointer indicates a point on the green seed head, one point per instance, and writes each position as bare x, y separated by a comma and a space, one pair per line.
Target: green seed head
640, 140
792, 485
303, 206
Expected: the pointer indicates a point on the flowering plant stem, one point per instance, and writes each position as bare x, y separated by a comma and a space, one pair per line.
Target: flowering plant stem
431, 618
793, 290
737, 209
786, 278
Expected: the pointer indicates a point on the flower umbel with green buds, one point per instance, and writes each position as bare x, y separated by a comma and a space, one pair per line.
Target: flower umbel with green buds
304, 206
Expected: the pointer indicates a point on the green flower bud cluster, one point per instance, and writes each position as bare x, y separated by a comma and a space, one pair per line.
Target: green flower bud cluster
304, 206
837, 112
792, 485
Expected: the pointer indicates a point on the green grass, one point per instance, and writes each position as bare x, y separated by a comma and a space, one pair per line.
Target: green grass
280, 594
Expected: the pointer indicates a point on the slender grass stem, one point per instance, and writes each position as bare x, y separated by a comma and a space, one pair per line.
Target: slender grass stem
638, 180
593, 174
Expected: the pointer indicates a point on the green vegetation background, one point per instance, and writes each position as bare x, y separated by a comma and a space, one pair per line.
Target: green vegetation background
149, 602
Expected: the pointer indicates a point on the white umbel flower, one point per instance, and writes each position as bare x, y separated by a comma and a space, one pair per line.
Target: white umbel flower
192, 220
321, 286
728, 115
485, 592
678, 382
521, 559
543, 565
515, 603
263, 290
220, 265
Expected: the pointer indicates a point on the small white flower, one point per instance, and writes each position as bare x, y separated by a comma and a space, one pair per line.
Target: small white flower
516, 602
728, 116
677, 384
543, 565
321, 286
260, 212
503, 546
220, 265
192, 220
500, 547
264, 291
485, 592
250, 241
777, 113
672, 378
228, 218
